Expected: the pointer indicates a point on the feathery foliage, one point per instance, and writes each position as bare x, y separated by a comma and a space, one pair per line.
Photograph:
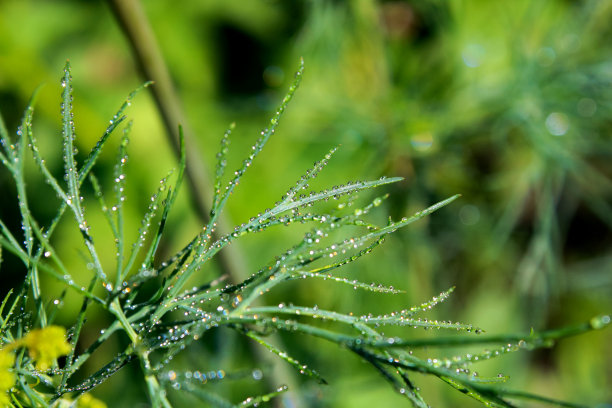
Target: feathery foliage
163, 323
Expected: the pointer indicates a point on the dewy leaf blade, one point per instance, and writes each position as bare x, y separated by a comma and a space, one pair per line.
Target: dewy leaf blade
100, 196
310, 174
87, 165
68, 135
388, 374
288, 204
221, 164
28, 223
256, 401
154, 203
260, 143
4, 140
51, 180
71, 172
113, 123
345, 261
171, 197
119, 188
409, 220
210, 398
19, 161
302, 368
76, 333
350, 282
487, 400
333, 193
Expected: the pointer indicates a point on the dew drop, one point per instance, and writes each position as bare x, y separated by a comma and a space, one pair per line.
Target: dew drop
600, 322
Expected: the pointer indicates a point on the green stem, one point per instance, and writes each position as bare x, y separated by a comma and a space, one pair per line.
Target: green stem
117, 311
135, 24
156, 391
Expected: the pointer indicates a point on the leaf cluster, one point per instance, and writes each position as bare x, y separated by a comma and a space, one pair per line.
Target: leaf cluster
163, 324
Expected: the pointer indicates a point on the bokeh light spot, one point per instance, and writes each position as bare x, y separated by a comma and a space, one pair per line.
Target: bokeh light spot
557, 124
473, 55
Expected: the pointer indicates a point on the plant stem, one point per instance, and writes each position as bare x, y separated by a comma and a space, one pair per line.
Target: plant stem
115, 309
136, 27
156, 391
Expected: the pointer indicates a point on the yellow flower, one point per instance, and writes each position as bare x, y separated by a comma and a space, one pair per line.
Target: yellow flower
87, 401
46, 345
7, 379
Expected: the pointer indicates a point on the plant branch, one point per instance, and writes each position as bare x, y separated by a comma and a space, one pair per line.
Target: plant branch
136, 27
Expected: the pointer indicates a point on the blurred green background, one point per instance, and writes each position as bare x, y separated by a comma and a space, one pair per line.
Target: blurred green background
508, 103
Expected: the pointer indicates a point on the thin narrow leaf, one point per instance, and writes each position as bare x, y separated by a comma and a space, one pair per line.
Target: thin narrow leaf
302, 368
68, 134
260, 143
492, 401
168, 204
256, 401
221, 164
302, 183
155, 202
119, 188
8, 147
19, 162
372, 287
207, 396
388, 374
74, 338
113, 123
105, 209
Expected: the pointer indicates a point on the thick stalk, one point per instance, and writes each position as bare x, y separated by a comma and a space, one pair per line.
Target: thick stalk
156, 391
136, 27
